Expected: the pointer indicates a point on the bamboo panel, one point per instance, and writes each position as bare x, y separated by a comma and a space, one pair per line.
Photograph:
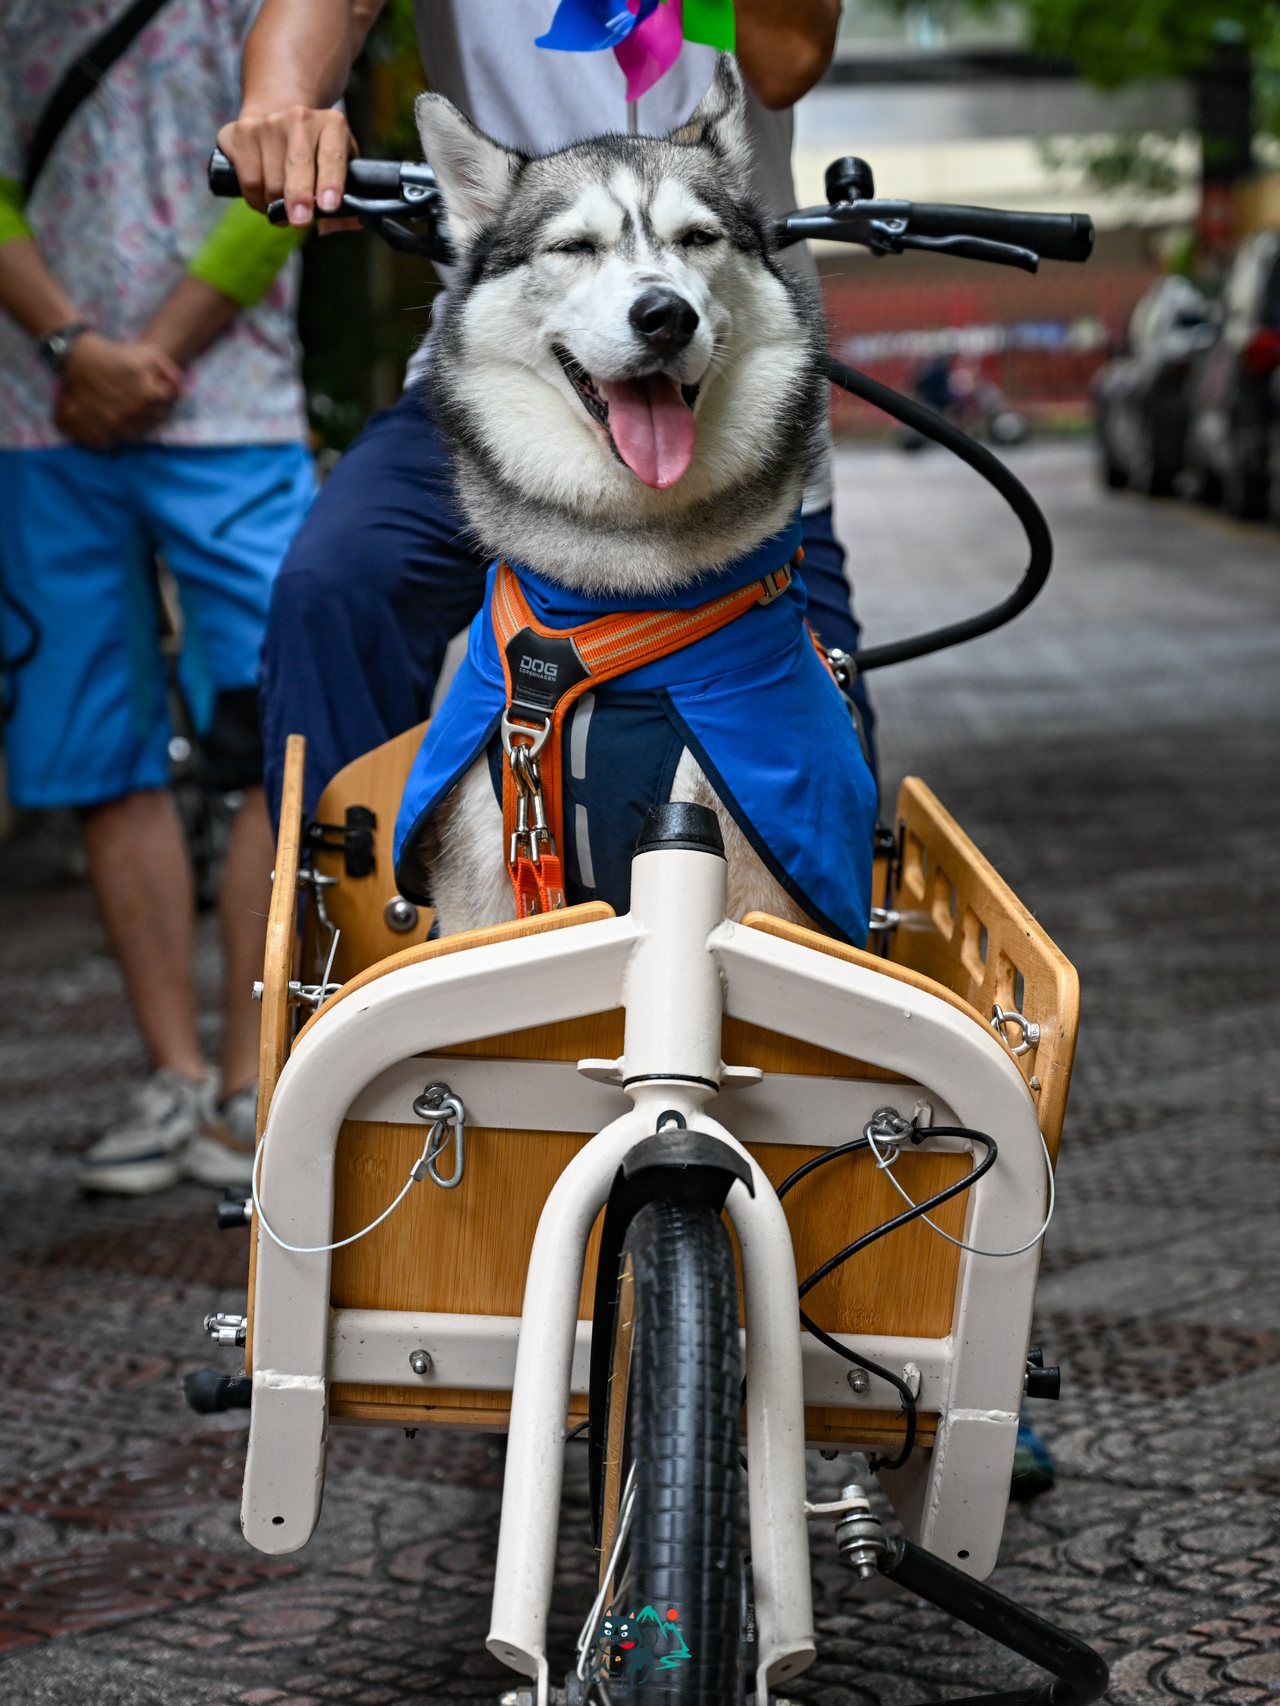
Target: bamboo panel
462, 1252
356, 904
903, 1283
881, 1429
395, 1406
282, 930
965, 928
277, 968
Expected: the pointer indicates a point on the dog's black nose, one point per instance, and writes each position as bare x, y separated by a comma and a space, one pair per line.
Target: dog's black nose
664, 320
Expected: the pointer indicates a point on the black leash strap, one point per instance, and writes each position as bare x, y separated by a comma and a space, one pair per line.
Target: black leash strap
994, 471
82, 78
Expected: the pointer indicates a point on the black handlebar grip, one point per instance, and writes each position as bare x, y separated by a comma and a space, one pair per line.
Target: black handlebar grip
1053, 236
222, 175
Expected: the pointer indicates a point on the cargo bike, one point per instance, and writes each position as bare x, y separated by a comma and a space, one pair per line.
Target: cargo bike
708, 1192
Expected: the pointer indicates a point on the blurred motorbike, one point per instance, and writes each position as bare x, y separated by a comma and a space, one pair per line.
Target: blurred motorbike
960, 393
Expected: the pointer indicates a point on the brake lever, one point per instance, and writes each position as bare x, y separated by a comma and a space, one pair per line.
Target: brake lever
845, 222
978, 249
382, 216
357, 206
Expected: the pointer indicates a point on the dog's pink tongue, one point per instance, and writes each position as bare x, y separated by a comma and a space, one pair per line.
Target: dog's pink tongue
653, 428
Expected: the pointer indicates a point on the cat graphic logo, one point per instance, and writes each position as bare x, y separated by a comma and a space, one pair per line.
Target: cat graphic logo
633, 1649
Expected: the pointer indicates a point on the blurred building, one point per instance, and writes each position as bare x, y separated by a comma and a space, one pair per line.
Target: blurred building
957, 110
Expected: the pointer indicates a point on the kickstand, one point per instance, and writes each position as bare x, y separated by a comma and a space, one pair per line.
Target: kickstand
1080, 1676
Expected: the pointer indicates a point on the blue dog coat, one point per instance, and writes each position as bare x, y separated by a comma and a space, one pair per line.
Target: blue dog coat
752, 701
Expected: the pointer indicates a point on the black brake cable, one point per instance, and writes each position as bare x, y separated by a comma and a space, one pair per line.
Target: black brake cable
932, 425
970, 1179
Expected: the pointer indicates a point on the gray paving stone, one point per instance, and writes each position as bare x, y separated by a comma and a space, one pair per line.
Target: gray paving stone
1115, 753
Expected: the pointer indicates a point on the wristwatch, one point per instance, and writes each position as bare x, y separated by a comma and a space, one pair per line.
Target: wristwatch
55, 347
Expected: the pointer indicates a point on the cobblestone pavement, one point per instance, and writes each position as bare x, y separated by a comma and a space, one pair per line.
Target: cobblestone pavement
1116, 754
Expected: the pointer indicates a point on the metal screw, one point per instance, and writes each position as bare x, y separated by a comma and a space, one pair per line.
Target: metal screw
420, 1362
400, 915
257, 991
1035, 1082
858, 1380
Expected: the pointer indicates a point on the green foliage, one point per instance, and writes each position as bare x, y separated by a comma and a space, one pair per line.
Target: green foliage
394, 71
1118, 41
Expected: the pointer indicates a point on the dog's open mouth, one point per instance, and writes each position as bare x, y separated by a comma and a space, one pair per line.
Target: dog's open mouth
649, 421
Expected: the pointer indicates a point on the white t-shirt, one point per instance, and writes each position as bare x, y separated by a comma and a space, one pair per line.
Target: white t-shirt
537, 100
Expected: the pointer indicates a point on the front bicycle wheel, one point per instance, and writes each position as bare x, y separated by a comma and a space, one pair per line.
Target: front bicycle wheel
673, 1434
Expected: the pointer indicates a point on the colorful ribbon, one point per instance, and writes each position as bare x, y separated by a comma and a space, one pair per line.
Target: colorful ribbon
646, 35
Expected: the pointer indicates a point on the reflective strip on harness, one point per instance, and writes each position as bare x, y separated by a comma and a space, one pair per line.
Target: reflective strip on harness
546, 671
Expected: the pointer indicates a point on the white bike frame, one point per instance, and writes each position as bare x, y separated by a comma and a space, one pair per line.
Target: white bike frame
676, 966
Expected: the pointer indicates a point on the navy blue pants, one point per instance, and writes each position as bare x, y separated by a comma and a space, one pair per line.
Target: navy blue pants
380, 577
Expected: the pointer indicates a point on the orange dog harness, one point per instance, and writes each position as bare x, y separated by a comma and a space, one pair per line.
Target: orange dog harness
546, 671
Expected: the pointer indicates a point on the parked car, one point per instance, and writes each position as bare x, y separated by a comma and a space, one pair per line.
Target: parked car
1140, 398
1229, 390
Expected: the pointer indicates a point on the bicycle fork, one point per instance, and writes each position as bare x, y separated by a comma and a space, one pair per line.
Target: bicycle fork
670, 1061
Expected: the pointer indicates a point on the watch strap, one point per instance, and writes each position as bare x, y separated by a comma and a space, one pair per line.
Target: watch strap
55, 346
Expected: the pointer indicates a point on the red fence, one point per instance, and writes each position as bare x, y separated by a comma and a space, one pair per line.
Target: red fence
1039, 338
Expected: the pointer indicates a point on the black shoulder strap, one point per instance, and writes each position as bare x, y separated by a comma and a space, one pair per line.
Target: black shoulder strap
83, 78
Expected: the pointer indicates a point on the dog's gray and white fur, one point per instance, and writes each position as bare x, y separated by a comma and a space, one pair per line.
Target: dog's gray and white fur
553, 255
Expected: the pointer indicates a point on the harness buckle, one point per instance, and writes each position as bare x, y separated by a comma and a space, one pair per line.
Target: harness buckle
533, 737
776, 582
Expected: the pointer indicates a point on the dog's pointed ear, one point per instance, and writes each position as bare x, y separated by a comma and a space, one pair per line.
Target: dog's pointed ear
719, 121
475, 175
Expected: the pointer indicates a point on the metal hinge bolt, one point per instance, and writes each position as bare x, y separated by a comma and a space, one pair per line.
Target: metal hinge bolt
860, 1534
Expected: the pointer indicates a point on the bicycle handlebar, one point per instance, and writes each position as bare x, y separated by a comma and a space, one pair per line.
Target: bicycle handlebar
972, 233
380, 193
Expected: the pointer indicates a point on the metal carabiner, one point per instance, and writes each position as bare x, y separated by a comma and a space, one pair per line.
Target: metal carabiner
438, 1104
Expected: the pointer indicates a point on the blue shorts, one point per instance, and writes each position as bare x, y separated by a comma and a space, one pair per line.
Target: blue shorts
383, 574
84, 682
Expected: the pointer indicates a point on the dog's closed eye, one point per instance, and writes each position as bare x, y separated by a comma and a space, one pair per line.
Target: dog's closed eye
575, 246
698, 238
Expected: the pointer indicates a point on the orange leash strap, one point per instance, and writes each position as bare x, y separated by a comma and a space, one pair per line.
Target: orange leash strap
546, 671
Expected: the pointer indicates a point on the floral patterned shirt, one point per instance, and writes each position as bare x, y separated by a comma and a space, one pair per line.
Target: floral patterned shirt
122, 207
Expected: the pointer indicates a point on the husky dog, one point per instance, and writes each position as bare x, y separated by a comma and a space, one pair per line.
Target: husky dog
632, 394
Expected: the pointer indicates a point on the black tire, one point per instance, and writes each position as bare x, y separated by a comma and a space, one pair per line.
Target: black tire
1113, 474
680, 1425
1244, 490
1153, 470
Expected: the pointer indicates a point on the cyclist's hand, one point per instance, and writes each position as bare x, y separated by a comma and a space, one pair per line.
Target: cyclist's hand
113, 391
298, 154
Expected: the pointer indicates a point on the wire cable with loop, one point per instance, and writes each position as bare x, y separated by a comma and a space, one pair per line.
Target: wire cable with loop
451, 1117
915, 1212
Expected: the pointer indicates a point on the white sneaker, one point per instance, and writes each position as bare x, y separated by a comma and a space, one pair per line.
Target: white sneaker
146, 1151
222, 1153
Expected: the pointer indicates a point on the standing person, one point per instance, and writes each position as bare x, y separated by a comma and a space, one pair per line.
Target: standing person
150, 401
351, 657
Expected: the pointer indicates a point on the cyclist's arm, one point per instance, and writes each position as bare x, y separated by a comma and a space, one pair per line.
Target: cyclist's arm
784, 46
288, 140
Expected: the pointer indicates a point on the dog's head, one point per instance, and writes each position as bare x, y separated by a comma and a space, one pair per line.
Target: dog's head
630, 385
